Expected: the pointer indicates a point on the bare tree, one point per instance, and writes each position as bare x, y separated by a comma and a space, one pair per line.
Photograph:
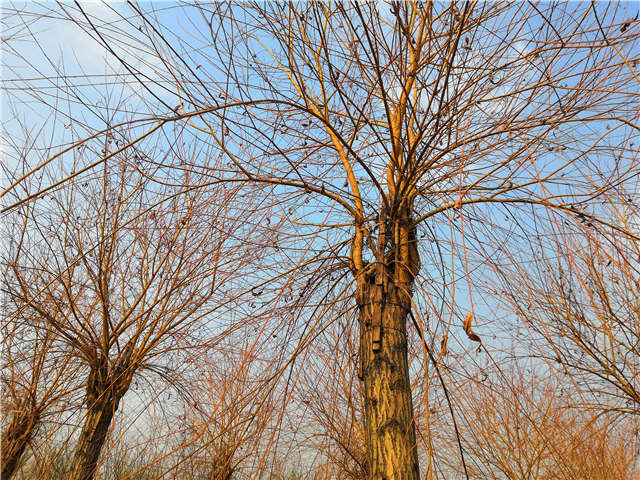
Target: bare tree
584, 313
38, 372
222, 429
36, 385
517, 426
132, 278
412, 147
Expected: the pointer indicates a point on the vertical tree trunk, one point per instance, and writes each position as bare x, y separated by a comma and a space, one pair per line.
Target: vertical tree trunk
92, 438
105, 389
383, 296
14, 441
389, 424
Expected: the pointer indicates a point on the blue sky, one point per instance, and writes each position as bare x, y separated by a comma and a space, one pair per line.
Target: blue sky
40, 50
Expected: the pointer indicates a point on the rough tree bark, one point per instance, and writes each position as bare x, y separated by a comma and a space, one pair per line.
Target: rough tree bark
384, 300
105, 389
14, 441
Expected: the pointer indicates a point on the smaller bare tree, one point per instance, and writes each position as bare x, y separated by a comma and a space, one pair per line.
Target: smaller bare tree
517, 426
132, 278
582, 307
225, 417
38, 375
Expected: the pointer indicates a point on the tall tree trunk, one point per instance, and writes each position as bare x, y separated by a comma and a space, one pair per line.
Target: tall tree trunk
15, 439
384, 303
92, 438
105, 389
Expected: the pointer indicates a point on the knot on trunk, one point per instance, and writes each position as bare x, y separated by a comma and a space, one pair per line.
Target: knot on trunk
392, 424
